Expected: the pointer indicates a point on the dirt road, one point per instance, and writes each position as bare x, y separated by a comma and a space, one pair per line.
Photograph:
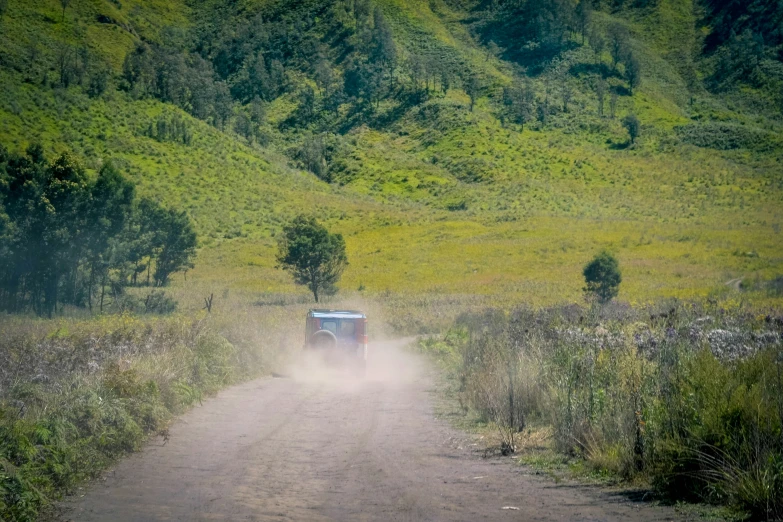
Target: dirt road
324, 447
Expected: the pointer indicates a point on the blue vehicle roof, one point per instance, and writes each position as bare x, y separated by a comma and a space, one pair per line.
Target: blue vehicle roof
337, 314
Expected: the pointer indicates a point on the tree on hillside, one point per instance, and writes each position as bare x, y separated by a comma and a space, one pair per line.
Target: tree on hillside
597, 44
178, 245
312, 154
618, 43
66, 64
384, 51
633, 72
324, 78
633, 126
566, 92
64, 4
602, 277
306, 104
315, 257
257, 111
519, 102
472, 89
691, 80
243, 126
446, 78
613, 104
45, 203
739, 60
584, 16
3, 9
252, 80
600, 93
362, 82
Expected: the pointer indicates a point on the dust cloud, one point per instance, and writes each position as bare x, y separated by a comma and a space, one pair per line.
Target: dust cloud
388, 362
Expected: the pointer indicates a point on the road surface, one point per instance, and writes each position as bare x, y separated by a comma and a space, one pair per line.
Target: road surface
319, 446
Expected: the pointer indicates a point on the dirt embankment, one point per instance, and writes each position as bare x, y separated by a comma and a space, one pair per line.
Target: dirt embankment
319, 446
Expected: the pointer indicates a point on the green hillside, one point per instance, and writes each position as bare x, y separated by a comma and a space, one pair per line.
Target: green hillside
361, 114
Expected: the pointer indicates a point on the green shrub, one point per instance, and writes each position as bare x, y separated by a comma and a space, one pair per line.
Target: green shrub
728, 136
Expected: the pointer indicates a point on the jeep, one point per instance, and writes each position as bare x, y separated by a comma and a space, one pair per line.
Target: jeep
339, 336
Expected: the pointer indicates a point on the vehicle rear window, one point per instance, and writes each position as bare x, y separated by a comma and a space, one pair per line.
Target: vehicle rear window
329, 325
347, 328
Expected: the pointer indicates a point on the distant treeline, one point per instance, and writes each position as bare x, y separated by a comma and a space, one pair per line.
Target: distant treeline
232, 59
70, 238
344, 55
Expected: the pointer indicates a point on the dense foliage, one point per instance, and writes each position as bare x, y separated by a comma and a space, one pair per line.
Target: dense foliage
69, 238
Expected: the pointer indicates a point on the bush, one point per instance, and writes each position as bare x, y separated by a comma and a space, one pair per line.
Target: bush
156, 302
725, 136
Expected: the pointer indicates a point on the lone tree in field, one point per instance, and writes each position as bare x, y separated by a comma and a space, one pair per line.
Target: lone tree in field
315, 257
603, 277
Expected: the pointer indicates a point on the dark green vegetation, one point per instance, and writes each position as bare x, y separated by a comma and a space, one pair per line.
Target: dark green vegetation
689, 398
313, 256
67, 238
603, 277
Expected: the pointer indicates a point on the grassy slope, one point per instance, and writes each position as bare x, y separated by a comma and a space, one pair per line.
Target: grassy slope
681, 219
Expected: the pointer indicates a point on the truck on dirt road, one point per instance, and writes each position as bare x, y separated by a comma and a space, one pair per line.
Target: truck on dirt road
339, 337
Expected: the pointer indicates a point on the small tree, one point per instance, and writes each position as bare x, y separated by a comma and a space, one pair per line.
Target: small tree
597, 43
600, 92
314, 257
633, 73
618, 43
584, 16
613, 104
472, 89
3, 9
178, 245
602, 277
307, 104
633, 126
324, 77
64, 4
567, 94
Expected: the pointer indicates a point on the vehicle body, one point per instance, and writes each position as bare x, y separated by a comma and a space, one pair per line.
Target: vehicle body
339, 336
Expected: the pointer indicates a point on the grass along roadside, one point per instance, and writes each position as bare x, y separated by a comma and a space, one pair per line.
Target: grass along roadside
75, 395
683, 399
